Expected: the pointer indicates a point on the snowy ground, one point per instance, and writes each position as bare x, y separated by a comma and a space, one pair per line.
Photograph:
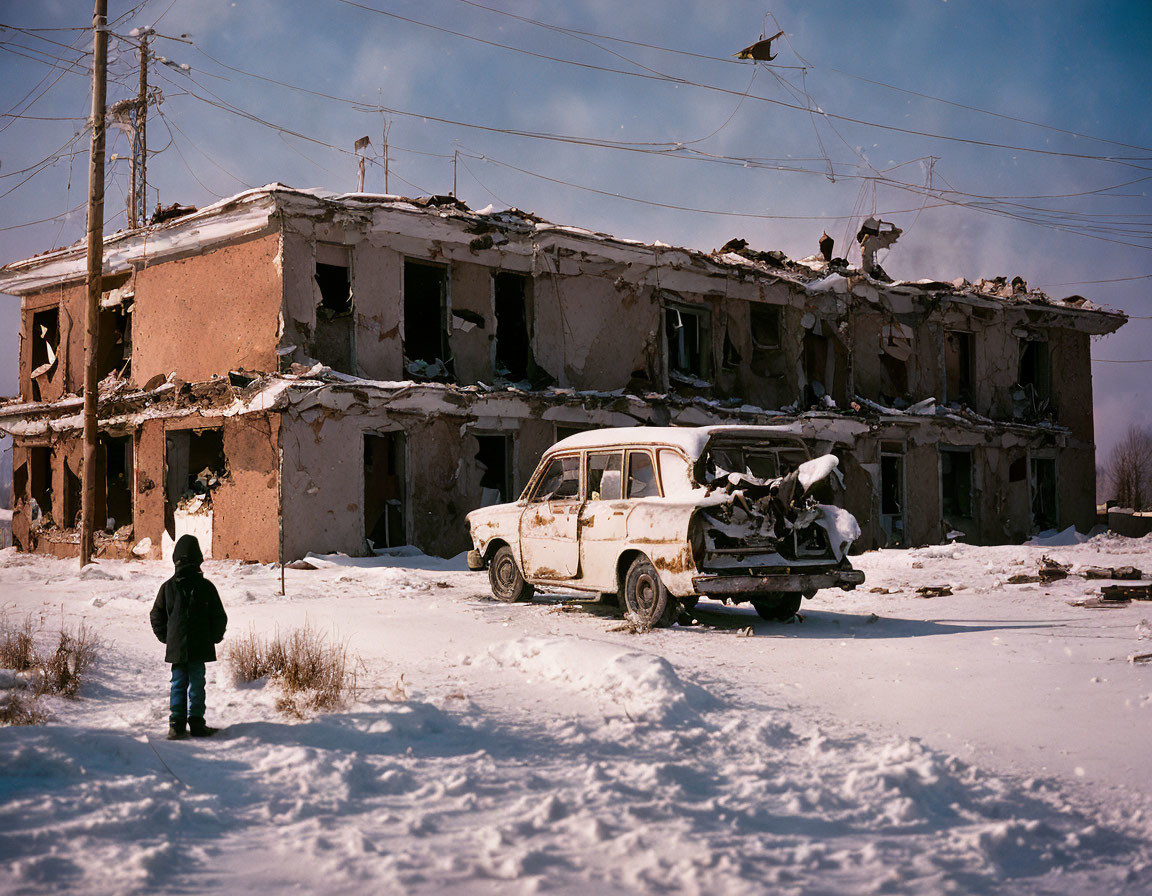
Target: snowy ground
991, 741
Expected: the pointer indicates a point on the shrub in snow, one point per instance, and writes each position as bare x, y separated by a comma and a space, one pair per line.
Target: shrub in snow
314, 672
36, 664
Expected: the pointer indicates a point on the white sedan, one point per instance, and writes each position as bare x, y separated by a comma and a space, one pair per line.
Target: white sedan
661, 516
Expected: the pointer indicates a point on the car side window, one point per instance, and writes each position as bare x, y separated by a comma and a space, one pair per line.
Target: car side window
674, 473
561, 480
605, 482
641, 475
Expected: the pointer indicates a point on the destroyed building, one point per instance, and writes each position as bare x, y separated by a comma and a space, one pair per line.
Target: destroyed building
290, 371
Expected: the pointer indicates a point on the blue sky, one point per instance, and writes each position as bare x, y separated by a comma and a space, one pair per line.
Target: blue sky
1077, 67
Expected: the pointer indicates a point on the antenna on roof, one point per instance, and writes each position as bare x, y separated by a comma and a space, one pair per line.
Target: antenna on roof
360, 145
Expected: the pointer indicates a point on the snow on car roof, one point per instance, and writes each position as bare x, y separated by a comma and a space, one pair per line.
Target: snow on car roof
690, 439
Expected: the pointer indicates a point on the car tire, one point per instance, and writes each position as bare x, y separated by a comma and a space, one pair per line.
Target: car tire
504, 575
646, 597
777, 606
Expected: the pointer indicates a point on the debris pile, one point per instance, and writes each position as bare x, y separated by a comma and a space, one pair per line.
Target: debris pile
778, 516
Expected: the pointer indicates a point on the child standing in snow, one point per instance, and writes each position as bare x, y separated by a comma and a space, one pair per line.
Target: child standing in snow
188, 617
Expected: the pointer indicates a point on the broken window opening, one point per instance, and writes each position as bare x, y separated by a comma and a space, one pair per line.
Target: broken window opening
335, 321
1036, 369
73, 494
641, 476
495, 459
895, 376
45, 347
385, 502
560, 480
426, 350
958, 356
40, 485
819, 367
766, 326
114, 353
195, 464
604, 476
116, 454
955, 484
1042, 484
687, 333
513, 343
892, 492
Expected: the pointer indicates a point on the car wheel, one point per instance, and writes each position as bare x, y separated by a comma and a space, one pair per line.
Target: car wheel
778, 606
646, 596
504, 575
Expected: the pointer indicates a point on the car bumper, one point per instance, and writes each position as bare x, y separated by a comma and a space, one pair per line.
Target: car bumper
804, 583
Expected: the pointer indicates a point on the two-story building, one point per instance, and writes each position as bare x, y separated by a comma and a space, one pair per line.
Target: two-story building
290, 371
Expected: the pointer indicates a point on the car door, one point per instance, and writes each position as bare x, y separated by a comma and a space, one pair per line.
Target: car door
549, 544
603, 518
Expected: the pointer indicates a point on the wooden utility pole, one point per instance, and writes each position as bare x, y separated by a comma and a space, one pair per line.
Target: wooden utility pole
139, 214
95, 262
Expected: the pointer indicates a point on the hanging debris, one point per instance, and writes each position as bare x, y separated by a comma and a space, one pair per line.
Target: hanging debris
875, 235
761, 51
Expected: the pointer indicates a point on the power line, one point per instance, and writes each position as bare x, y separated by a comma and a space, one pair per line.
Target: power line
667, 205
1109, 280
1122, 160
1062, 221
45, 220
807, 66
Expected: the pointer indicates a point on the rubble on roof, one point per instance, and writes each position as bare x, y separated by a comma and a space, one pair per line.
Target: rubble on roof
513, 230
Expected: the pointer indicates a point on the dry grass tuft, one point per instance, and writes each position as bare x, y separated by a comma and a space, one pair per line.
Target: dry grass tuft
18, 708
314, 672
17, 644
58, 667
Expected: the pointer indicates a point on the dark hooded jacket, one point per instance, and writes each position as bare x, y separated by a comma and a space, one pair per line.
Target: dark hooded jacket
188, 615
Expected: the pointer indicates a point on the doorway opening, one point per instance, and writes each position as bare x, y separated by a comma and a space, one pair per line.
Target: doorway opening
385, 510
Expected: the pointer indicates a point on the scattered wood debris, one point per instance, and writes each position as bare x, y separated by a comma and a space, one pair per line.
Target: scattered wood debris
1140, 658
934, 590
1023, 579
1051, 570
1096, 603
1119, 573
1126, 592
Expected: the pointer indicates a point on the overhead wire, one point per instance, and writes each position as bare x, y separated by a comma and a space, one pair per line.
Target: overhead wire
47, 220
807, 66
677, 150
1122, 160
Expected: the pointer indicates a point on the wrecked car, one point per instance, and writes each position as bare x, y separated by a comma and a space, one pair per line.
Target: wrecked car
662, 516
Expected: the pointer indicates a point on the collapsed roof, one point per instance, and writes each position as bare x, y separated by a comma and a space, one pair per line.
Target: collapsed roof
512, 230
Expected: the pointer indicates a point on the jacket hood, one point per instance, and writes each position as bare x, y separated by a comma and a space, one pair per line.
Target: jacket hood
186, 555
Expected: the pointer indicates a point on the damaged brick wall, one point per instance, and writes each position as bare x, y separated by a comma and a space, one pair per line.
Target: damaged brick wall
244, 503
208, 314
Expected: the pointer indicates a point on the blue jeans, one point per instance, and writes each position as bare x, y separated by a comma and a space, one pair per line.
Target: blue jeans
187, 698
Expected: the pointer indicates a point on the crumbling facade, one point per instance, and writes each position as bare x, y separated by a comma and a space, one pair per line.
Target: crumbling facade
288, 371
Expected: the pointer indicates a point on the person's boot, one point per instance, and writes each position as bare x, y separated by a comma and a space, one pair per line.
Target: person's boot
197, 728
177, 730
